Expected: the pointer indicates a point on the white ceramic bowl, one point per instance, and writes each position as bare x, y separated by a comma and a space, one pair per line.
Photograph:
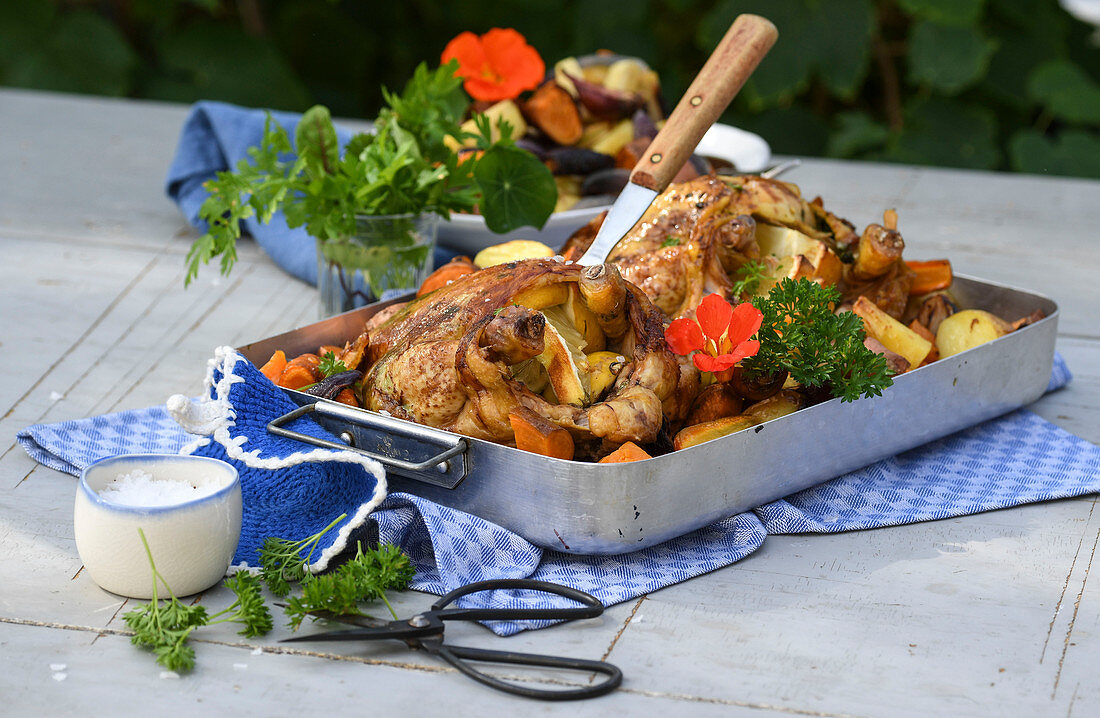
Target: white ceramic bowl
192, 542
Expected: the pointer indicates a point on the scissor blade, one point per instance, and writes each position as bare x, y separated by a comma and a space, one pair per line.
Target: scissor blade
632, 203
351, 634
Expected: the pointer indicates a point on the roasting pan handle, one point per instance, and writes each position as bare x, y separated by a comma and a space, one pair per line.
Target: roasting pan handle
446, 468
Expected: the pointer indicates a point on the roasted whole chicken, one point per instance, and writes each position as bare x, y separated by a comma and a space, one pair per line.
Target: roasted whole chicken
697, 235
543, 339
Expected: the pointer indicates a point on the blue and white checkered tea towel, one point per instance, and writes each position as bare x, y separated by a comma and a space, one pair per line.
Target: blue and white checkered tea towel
1015, 459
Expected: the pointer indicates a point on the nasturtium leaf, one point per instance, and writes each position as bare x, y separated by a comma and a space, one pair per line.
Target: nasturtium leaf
856, 133
1064, 90
946, 12
948, 133
948, 59
518, 189
829, 40
316, 142
1075, 153
83, 53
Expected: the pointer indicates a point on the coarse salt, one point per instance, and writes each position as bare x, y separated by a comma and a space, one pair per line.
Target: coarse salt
138, 488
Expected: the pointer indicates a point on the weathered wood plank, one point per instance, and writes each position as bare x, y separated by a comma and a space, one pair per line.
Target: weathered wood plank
900, 621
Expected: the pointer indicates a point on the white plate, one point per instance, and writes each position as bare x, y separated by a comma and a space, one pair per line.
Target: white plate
468, 234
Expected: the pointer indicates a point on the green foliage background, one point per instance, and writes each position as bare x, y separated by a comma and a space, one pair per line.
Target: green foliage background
985, 84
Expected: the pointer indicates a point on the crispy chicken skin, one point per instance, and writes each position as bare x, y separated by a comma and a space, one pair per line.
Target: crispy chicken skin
444, 359
684, 246
698, 233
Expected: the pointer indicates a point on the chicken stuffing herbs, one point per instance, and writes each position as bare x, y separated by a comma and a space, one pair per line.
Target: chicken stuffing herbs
165, 626
801, 334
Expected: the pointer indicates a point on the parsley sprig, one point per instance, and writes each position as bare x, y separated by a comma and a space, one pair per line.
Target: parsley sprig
801, 334
281, 560
330, 365
165, 627
404, 167
365, 577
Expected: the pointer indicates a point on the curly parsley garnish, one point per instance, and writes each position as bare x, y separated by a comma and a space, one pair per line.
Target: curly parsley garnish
801, 334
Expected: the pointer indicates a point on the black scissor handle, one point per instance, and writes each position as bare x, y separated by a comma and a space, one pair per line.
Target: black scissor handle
458, 656
590, 605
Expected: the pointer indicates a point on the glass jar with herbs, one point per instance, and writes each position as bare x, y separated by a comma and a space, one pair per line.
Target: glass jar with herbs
373, 205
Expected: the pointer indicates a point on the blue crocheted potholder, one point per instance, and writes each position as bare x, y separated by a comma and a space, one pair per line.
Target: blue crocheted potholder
290, 490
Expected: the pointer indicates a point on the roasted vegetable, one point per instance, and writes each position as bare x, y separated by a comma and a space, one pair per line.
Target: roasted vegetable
894, 335
717, 401
551, 109
537, 435
446, 274
605, 103
512, 251
967, 329
930, 276
577, 161
274, 366
699, 433
627, 452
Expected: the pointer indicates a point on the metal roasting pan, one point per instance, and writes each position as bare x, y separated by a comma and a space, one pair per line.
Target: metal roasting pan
586, 508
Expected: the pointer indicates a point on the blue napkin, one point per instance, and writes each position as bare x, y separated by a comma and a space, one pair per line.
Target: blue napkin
216, 136
1015, 459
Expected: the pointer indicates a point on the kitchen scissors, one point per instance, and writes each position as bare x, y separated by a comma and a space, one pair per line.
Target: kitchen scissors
424, 631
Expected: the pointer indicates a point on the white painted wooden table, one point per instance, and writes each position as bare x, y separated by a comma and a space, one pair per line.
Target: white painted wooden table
986, 615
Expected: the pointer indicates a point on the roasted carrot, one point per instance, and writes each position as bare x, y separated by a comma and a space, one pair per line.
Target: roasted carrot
347, 396
452, 270
274, 366
932, 275
296, 377
627, 452
300, 371
539, 436
552, 109
925, 332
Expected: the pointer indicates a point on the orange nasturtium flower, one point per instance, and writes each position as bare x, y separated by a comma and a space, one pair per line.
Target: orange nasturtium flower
719, 334
496, 66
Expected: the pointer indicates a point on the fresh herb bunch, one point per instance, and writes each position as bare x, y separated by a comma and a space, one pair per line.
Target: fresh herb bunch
165, 627
365, 577
801, 334
404, 167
